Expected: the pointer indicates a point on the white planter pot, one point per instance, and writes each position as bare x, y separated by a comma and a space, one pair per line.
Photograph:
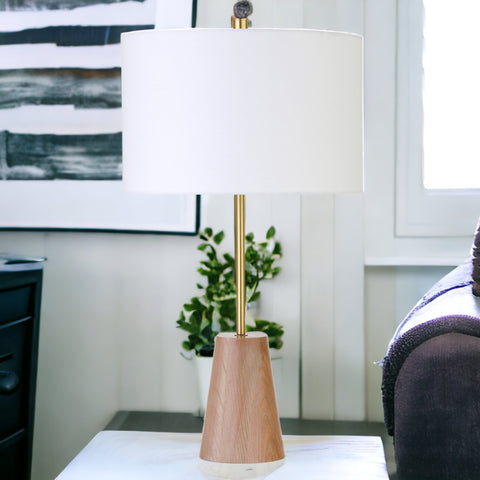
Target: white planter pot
203, 369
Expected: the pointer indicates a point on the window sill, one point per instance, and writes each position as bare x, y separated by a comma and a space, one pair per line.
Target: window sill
413, 261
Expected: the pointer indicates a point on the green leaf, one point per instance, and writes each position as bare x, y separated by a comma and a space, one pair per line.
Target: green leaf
207, 333
204, 272
196, 320
208, 231
261, 324
212, 264
183, 326
219, 237
249, 237
188, 307
254, 297
197, 303
275, 343
228, 258
270, 232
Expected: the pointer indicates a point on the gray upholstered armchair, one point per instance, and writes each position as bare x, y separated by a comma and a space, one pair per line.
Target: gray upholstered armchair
431, 380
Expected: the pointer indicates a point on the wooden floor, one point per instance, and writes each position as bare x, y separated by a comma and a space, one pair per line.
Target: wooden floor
189, 423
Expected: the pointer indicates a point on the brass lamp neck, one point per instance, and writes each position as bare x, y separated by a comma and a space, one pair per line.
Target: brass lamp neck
239, 22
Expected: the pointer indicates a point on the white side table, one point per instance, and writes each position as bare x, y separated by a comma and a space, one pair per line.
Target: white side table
122, 455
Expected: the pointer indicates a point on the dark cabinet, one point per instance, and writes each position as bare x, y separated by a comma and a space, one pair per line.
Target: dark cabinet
20, 294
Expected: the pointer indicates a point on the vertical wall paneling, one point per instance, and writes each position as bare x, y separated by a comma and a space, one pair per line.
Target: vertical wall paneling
288, 14
380, 306
281, 297
214, 13
318, 329
349, 336
175, 14
342, 15
380, 300
380, 70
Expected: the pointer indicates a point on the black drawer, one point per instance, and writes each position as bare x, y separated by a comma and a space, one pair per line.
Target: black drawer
13, 457
14, 359
15, 303
20, 298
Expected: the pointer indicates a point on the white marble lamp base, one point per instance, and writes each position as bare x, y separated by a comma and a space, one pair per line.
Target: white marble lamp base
238, 471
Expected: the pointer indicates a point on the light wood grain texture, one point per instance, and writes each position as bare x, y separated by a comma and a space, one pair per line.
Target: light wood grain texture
241, 419
120, 455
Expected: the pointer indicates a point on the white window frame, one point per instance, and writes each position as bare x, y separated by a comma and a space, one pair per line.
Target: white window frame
421, 212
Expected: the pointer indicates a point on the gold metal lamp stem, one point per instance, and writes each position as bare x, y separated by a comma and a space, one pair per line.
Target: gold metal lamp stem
242, 10
239, 212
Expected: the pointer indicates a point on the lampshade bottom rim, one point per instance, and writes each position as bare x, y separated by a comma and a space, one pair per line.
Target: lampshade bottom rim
238, 471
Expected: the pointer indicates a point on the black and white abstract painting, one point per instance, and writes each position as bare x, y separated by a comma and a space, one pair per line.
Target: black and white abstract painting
26, 156
60, 120
80, 87
19, 5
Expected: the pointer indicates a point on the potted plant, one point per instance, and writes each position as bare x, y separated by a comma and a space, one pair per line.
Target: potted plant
214, 309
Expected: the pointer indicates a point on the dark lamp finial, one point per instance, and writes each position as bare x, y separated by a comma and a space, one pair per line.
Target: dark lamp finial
243, 9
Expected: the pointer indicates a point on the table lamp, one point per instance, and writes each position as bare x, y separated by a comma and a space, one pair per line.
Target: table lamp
241, 111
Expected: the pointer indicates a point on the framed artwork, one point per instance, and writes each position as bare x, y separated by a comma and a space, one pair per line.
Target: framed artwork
60, 120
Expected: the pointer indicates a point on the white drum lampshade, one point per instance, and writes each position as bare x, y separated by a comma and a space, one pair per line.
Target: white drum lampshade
242, 111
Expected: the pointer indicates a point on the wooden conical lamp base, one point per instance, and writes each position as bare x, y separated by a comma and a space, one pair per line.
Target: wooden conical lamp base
241, 420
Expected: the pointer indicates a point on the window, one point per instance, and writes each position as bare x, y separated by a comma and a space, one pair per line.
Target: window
438, 125
451, 94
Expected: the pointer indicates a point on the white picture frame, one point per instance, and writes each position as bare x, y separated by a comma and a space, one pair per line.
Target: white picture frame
61, 203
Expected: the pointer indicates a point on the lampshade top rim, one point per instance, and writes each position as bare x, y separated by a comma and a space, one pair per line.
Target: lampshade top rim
232, 31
